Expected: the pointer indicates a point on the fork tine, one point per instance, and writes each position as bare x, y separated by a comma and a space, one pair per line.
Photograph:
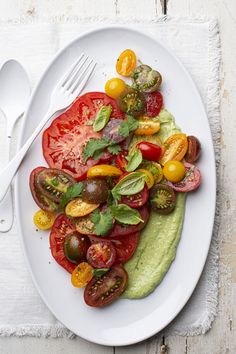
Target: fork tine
80, 75
73, 77
79, 85
70, 71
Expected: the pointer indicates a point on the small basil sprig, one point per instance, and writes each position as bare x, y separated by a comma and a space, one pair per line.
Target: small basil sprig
126, 215
102, 221
71, 192
131, 184
134, 159
102, 118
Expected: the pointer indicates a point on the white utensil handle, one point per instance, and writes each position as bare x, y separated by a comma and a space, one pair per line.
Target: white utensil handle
6, 205
10, 170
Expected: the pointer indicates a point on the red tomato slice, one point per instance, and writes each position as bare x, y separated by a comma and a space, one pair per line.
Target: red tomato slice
62, 226
63, 141
191, 181
154, 103
136, 200
121, 161
123, 230
101, 254
125, 246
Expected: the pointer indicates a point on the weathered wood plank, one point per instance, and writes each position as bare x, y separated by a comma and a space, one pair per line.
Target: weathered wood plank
221, 339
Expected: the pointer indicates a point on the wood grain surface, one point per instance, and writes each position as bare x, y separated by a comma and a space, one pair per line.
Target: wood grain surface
221, 339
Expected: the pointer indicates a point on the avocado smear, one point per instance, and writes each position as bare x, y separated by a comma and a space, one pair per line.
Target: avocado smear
160, 238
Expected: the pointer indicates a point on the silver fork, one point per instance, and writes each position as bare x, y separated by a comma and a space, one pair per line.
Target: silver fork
65, 92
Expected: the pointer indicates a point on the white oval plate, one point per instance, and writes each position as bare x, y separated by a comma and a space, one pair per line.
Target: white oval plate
126, 321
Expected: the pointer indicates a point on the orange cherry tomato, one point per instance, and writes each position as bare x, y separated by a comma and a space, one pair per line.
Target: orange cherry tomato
104, 171
126, 62
174, 171
77, 208
147, 126
82, 275
114, 87
176, 147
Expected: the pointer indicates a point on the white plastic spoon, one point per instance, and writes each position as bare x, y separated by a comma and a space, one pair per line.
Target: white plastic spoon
14, 95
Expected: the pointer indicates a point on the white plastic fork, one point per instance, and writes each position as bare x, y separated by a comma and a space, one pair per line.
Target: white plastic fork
65, 92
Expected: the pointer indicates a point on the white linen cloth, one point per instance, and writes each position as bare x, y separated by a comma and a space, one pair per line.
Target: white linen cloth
196, 43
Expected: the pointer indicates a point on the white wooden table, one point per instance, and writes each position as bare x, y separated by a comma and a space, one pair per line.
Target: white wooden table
221, 339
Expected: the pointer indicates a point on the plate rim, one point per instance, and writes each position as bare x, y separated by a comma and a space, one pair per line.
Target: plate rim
17, 182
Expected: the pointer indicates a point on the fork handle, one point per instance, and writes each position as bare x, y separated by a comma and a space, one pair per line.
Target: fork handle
11, 169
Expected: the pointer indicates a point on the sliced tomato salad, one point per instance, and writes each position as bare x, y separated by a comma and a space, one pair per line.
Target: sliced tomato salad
112, 160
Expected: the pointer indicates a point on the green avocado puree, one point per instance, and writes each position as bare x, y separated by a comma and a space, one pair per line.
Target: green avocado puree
159, 240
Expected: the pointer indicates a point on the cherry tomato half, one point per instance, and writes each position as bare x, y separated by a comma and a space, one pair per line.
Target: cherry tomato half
114, 87
191, 181
194, 149
154, 103
101, 255
126, 62
147, 126
104, 290
43, 219
150, 152
176, 148
121, 161
174, 171
81, 275
104, 171
77, 208
125, 246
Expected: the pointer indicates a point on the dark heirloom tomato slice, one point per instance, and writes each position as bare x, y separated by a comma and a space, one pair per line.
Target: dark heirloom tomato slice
61, 228
101, 254
63, 141
136, 200
125, 246
123, 230
154, 103
42, 201
53, 183
104, 290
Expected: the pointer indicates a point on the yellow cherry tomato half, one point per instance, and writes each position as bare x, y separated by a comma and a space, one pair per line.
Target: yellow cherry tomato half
176, 147
148, 177
147, 126
104, 171
114, 87
126, 62
77, 208
174, 171
43, 219
155, 169
81, 275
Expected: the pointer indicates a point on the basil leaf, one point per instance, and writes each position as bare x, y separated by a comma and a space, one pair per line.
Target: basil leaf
124, 129
99, 272
132, 123
71, 192
134, 159
102, 118
126, 215
131, 184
